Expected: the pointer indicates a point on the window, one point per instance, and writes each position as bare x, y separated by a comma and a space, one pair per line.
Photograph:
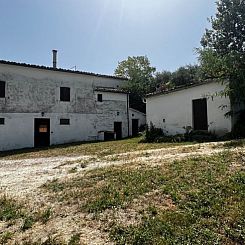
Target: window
65, 94
2, 120
64, 121
2, 89
43, 128
99, 97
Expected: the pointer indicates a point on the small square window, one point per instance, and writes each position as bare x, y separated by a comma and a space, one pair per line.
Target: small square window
2, 89
64, 121
2, 121
43, 128
65, 94
99, 97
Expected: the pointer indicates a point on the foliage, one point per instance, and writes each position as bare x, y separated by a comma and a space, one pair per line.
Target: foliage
9, 209
186, 75
156, 135
234, 144
75, 239
209, 205
182, 76
239, 127
139, 72
151, 134
222, 55
5, 237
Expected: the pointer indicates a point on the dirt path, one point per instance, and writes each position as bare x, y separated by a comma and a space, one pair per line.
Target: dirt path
22, 177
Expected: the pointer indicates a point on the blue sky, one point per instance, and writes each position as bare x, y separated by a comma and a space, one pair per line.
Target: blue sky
95, 34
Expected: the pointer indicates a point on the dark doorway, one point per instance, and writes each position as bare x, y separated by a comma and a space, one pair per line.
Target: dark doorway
42, 132
108, 136
118, 130
135, 127
200, 114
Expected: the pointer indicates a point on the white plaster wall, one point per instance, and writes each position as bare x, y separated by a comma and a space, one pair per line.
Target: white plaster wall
18, 130
176, 109
134, 114
109, 96
31, 91
10, 71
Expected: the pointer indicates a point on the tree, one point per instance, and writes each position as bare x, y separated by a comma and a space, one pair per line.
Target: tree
186, 75
182, 76
163, 80
140, 74
222, 55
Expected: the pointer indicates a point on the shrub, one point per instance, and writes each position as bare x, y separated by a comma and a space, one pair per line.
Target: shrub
156, 135
152, 134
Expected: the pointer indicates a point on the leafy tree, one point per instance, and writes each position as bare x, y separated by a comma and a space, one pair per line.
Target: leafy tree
182, 76
163, 80
186, 75
140, 74
222, 55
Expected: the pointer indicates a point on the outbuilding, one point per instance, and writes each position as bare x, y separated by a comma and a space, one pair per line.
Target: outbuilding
196, 106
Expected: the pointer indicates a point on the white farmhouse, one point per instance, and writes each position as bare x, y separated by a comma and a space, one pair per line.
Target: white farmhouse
194, 106
42, 106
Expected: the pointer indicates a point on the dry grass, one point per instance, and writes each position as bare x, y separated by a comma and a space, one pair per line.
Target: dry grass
98, 149
151, 199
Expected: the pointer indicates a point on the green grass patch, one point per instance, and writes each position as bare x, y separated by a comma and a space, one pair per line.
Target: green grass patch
234, 144
5, 237
10, 209
210, 206
106, 188
208, 194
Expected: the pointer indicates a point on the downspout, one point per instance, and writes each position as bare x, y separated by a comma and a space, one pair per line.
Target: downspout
128, 112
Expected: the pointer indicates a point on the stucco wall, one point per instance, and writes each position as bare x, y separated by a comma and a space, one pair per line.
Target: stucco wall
29, 92
33, 90
134, 114
176, 109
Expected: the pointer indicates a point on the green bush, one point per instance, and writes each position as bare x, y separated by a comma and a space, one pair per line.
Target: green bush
156, 135
152, 134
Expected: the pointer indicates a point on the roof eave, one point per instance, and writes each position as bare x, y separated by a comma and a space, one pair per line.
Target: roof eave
60, 70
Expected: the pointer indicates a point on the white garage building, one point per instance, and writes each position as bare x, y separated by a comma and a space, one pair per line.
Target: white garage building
194, 106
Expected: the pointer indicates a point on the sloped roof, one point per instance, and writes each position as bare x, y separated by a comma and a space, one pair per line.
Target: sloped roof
59, 69
179, 88
111, 90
